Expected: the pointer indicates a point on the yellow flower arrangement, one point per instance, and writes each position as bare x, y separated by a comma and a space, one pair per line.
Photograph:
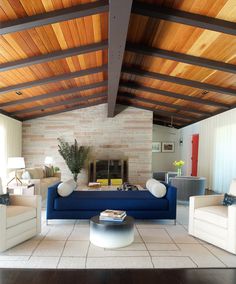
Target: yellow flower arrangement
179, 163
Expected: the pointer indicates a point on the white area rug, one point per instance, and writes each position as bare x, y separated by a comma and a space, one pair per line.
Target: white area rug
65, 244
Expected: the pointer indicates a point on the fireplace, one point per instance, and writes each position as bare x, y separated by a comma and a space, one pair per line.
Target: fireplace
108, 170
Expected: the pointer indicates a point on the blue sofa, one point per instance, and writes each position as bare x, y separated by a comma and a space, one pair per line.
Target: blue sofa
85, 204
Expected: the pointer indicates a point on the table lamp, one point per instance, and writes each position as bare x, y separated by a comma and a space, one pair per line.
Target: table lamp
15, 163
48, 161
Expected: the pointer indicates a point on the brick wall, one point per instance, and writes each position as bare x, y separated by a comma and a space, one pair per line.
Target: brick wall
128, 135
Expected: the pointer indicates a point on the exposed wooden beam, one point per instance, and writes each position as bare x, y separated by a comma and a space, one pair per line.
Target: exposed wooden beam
119, 14
55, 94
157, 111
61, 103
180, 57
167, 121
169, 94
180, 81
169, 105
185, 18
56, 16
163, 123
66, 76
98, 102
53, 56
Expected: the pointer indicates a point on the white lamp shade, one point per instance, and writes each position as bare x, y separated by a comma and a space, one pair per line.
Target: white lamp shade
48, 161
16, 163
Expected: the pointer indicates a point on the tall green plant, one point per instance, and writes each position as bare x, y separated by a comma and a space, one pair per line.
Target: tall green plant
74, 156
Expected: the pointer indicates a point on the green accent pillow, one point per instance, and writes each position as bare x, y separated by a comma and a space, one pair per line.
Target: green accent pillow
49, 172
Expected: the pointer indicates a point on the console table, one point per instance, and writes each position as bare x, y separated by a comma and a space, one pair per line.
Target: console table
188, 186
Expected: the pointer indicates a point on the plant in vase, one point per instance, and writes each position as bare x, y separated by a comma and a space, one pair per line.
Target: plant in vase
74, 156
179, 164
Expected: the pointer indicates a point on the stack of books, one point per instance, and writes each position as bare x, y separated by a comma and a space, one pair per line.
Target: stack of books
112, 215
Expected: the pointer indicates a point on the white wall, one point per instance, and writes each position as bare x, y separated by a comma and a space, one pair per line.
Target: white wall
10, 141
217, 149
164, 161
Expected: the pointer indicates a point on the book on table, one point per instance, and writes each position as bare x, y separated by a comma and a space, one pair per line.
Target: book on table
112, 215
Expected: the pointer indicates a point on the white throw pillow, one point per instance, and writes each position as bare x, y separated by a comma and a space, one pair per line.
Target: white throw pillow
66, 188
156, 188
26, 175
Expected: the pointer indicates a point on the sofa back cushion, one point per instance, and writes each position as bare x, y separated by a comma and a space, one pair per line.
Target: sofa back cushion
232, 189
117, 200
36, 173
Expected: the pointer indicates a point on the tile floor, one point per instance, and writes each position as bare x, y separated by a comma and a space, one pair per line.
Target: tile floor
156, 245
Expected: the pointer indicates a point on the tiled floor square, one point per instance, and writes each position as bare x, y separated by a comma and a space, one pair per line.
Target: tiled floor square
76, 248
155, 235
49, 248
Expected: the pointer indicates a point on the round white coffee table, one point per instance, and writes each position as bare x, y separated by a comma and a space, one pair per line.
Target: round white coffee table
108, 234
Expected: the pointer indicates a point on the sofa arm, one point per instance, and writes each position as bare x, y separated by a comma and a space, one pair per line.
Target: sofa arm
3, 223
196, 202
29, 201
52, 194
171, 195
205, 200
232, 228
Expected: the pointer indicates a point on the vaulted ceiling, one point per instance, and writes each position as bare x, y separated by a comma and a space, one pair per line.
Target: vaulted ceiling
176, 58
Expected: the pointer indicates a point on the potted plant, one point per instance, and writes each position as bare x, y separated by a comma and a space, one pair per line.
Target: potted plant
74, 156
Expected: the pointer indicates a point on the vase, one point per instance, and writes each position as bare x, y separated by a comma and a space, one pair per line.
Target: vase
179, 172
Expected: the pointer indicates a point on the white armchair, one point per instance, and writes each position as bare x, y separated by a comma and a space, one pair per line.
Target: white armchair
213, 222
19, 221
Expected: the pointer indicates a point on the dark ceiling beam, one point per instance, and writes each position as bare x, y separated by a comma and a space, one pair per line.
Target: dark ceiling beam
157, 111
66, 76
61, 103
135, 86
56, 16
180, 57
98, 102
55, 94
169, 105
166, 121
6, 113
180, 81
179, 121
119, 15
185, 18
163, 123
53, 56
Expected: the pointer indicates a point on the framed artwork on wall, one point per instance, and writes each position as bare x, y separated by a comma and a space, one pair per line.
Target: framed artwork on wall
156, 147
168, 147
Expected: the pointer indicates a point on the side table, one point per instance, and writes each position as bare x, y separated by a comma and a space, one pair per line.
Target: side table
25, 189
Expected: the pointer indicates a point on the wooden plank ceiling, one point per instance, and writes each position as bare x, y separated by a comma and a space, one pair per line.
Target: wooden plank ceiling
176, 58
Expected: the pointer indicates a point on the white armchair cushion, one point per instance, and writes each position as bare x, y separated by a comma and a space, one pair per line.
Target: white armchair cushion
19, 214
217, 215
232, 189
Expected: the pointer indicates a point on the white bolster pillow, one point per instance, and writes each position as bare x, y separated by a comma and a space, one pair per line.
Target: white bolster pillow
156, 188
66, 188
